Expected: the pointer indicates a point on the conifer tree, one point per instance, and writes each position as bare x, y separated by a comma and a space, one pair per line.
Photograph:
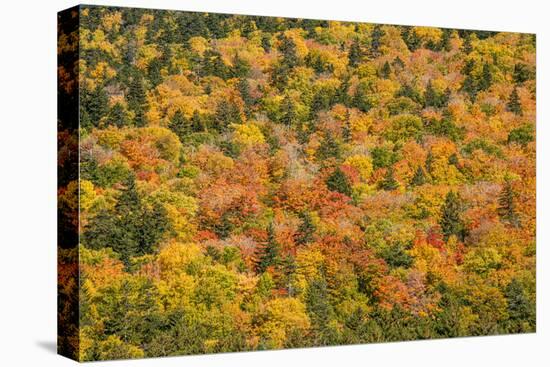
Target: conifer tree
451, 222
506, 205
386, 70
419, 177
355, 53
179, 125
137, 100
514, 104
339, 182
268, 254
389, 182
306, 230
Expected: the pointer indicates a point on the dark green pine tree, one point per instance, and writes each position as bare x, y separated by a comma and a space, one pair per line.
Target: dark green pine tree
346, 130
268, 254
180, 125
385, 72
450, 221
389, 183
95, 105
226, 113
339, 182
419, 177
137, 100
320, 312
521, 309
329, 148
241, 67
244, 89
197, 122
467, 44
486, 77
117, 116
288, 111
287, 48
506, 205
514, 104
306, 229
355, 55
376, 37
430, 96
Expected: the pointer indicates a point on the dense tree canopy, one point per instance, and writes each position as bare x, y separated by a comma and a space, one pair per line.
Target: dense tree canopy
257, 183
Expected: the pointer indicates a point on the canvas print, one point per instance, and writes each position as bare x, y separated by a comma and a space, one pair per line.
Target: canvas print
239, 183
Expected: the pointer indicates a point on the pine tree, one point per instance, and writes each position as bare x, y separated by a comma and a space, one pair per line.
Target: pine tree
288, 110
467, 44
430, 96
95, 106
486, 77
306, 230
514, 104
179, 125
355, 55
419, 177
450, 221
389, 182
329, 148
137, 100
117, 116
268, 254
376, 37
339, 182
244, 89
386, 70
507, 207
320, 311
197, 124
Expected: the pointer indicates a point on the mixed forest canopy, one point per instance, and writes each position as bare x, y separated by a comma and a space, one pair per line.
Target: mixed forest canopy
252, 183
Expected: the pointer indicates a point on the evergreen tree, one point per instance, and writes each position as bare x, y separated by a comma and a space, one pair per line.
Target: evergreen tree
339, 182
467, 44
241, 67
329, 148
306, 230
244, 89
179, 125
486, 77
117, 116
450, 221
355, 55
386, 70
514, 104
389, 182
197, 123
95, 105
346, 130
226, 113
137, 100
320, 312
288, 111
506, 205
376, 37
419, 177
268, 254
521, 309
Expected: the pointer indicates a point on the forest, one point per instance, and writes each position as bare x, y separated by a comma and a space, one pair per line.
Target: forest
251, 183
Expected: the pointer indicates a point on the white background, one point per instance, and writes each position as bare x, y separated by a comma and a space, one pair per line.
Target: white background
28, 182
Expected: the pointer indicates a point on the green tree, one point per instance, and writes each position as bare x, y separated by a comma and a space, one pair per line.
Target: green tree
137, 100
450, 221
306, 229
389, 182
385, 72
320, 312
180, 125
514, 104
419, 177
339, 182
268, 254
329, 148
506, 205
